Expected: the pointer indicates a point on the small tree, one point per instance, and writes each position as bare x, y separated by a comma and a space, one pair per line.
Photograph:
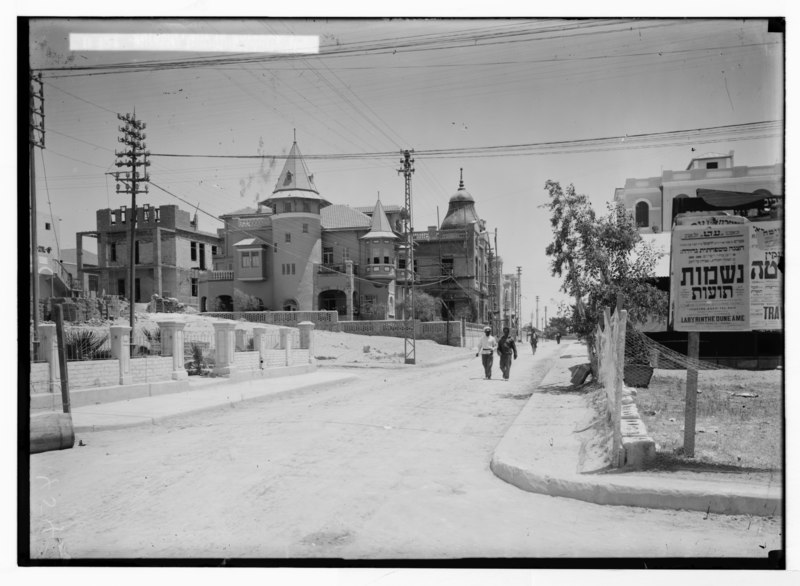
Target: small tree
244, 302
424, 306
600, 258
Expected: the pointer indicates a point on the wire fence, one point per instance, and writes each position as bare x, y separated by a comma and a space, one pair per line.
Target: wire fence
738, 413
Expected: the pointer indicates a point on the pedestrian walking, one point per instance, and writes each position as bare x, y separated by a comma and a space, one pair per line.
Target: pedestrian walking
486, 348
558, 338
534, 341
506, 348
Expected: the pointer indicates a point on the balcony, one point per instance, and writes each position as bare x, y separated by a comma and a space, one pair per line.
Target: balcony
216, 276
380, 272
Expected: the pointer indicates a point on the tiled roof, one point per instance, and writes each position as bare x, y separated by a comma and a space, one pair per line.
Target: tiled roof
242, 212
380, 226
250, 242
369, 209
343, 216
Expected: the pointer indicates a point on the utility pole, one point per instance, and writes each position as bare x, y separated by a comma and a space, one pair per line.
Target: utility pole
537, 311
133, 157
519, 302
36, 139
410, 344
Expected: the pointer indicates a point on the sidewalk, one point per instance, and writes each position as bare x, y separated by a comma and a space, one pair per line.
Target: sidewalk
203, 395
541, 453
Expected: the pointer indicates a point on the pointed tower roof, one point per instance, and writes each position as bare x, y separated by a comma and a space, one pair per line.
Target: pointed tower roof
295, 180
461, 209
295, 175
380, 227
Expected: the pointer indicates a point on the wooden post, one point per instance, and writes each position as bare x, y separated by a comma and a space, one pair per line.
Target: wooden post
58, 310
690, 409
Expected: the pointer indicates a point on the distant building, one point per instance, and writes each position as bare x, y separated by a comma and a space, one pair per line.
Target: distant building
297, 251
650, 199
90, 279
169, 253
452, 262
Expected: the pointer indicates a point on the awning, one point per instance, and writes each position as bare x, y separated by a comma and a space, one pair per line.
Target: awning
716, 199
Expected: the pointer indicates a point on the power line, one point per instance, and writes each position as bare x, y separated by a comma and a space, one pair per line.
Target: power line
600, 143
437, 42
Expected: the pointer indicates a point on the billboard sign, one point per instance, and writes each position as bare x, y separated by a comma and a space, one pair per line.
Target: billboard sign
710, 277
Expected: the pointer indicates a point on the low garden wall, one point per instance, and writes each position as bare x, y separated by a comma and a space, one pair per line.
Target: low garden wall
442, 332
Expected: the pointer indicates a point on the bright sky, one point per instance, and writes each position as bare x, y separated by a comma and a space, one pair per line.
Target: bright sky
481, 85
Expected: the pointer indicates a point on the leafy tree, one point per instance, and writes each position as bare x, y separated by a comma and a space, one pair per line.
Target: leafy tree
244, 302
558, 325
599, 258
424, 306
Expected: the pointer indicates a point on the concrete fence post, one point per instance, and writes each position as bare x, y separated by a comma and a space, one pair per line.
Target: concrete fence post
172, 345
260, 344
225, 349
307, 338
286, 344
121, 350
48, 346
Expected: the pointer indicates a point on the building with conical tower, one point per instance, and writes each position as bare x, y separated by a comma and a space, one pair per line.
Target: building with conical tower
299, 252
268, 255
296, 235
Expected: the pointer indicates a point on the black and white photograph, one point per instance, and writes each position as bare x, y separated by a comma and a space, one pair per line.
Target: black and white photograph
413, 291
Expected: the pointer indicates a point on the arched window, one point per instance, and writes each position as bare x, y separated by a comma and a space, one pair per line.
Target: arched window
642, 214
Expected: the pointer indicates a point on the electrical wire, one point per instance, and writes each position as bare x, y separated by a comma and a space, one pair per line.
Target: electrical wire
655, 139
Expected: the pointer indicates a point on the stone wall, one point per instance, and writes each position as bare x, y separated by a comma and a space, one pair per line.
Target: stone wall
93, 373
247, 360
436, 330
151, 368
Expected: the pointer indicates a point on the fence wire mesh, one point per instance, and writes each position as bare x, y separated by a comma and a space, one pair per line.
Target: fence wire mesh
738, 412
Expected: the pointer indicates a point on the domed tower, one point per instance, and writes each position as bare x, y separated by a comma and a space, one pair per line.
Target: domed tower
296, 234
461, 209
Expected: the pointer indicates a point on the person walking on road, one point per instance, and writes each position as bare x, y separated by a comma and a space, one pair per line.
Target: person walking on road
486, 348
558, 338
506, 347
534, 341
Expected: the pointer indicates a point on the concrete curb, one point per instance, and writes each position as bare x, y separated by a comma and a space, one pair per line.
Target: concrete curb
153, 410
540, 453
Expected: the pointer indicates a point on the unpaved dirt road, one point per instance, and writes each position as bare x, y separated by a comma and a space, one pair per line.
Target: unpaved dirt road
393, 466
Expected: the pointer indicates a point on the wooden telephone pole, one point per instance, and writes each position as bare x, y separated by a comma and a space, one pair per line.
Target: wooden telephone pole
133, 158
36, 139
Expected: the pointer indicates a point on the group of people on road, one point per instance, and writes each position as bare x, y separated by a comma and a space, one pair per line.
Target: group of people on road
505, 347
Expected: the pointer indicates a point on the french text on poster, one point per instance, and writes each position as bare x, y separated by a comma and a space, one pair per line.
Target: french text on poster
711, 278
